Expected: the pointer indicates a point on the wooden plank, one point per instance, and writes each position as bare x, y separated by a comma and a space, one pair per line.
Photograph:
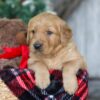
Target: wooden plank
85, 22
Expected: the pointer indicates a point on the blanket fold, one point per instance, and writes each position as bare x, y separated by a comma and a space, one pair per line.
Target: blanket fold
22, 83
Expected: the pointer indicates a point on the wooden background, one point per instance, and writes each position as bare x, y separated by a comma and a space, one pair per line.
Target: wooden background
85, 22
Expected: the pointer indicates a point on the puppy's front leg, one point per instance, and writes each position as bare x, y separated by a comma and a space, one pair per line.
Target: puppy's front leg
69, 75
42, 76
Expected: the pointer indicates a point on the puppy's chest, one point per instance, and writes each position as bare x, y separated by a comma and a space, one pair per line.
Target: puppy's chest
55, 63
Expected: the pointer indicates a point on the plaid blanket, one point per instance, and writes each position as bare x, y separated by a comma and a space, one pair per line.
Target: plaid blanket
22, 84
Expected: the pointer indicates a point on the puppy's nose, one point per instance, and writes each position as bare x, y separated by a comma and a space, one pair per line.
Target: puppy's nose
37, 45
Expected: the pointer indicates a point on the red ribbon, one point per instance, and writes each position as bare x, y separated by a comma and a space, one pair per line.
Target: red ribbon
10, 53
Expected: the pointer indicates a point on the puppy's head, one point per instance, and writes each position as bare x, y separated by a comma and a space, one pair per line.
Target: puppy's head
46, 33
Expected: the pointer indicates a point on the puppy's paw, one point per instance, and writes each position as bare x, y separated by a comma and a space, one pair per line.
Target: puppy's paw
70, 84
42, 80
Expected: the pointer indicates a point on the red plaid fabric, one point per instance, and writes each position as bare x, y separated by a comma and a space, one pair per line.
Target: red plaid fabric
22, 84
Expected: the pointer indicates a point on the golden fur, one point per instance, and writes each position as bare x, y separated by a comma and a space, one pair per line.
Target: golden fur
58, 51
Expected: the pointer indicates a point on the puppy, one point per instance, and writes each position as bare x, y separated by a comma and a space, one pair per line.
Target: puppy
51, 47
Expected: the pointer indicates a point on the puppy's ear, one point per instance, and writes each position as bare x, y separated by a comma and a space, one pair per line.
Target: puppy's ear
28, 39
28, 33
66, 33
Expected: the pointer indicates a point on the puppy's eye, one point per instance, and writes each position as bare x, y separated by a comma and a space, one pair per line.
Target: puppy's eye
33, 31
49, 32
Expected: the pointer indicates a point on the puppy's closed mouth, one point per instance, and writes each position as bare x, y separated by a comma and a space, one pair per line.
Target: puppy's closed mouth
39, 50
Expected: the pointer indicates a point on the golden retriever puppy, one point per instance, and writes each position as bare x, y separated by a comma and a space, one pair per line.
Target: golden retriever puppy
51, 47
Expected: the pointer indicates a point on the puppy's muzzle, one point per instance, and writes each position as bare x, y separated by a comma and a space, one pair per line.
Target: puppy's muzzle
37, 46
